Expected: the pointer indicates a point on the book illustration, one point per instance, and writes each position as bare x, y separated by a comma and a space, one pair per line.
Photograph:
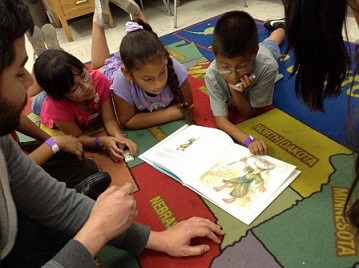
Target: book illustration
187, 144
242, 180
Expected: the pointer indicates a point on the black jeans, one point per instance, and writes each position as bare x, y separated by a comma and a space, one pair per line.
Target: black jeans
64, 166
35, 244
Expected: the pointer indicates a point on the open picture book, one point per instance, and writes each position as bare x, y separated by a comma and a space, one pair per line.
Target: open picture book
209, 162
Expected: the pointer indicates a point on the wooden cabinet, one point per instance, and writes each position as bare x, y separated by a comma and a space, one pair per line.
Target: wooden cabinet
64, 10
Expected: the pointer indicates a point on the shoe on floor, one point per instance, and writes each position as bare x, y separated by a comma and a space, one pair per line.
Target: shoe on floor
102, 11
37, 41
94, 185
50, 37
274, 24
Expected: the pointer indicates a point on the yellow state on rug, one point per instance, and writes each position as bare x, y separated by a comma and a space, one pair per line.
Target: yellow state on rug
294, 142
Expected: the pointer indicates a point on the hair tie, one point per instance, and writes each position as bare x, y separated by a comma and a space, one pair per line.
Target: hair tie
132, 26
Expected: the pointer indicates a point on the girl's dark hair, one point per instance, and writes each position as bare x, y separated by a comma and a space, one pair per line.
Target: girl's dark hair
54, 71
235, 34
314, 31
321, 60
15, 21
142, 47
352, 212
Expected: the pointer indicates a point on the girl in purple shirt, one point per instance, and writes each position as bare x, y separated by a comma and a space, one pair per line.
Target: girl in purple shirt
149, 86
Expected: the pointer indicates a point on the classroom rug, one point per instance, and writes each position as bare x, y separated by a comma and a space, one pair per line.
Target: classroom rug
304, 226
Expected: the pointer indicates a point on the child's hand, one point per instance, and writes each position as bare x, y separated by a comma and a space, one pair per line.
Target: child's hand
70, 144
116, 145
113, 146
244, 82
126, 142
175, 112
258, 147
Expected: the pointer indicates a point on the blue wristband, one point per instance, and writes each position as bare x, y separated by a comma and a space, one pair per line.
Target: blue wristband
248, 140
97, 141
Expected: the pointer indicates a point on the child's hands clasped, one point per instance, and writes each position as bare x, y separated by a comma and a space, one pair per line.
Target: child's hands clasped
258, 147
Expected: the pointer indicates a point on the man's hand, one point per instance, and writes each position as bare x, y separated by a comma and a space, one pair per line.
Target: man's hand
112, 214
176, 241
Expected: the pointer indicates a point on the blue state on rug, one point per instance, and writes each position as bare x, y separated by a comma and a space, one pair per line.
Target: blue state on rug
334, 122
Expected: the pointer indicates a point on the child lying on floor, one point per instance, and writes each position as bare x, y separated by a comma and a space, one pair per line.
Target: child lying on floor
79, 98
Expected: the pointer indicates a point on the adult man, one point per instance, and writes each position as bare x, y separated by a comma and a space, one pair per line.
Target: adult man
36, 210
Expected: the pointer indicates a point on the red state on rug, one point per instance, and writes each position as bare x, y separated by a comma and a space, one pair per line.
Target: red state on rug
163, 202
202, 113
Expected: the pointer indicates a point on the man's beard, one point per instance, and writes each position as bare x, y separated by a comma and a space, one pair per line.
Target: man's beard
9, 116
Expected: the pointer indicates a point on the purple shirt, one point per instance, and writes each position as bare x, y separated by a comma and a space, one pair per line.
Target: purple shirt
134, 95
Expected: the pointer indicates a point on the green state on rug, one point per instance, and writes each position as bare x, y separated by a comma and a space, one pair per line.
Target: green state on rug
303, 226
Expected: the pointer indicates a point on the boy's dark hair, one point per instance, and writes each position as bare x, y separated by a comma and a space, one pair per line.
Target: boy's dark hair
142, 47
54, 71
235, 34
15, 21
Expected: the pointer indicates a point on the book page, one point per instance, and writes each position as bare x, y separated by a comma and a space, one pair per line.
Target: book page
243, 184
188, 152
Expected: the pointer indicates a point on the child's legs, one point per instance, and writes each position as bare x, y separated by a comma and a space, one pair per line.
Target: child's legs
99, 47
277, 36
37, 102
273, 47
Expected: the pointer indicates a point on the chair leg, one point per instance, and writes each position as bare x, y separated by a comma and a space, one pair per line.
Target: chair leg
169, 10
175, 5
141, 5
